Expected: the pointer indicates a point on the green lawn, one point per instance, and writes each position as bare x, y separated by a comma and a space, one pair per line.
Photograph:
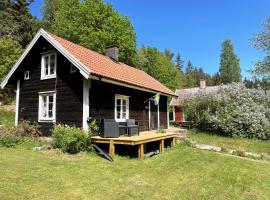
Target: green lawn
231, 143
7, 118
180, 173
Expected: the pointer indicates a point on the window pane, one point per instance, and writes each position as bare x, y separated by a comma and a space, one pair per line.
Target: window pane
118, 102
124, 115
124, 108
124, 102
46, 64
44, 108
50, 114
50, 99
118, 108
118, 115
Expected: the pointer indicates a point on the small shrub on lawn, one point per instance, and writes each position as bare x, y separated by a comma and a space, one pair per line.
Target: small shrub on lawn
70, 139
10, 137
9, 141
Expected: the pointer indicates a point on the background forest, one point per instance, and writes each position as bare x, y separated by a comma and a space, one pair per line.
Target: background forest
95, 24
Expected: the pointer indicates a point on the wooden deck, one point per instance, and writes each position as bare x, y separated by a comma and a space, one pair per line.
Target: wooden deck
140, 141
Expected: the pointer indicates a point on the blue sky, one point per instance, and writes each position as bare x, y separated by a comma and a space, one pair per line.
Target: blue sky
195, 28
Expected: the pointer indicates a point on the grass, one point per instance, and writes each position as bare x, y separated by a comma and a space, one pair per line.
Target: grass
180, 173
251, 145
7, 118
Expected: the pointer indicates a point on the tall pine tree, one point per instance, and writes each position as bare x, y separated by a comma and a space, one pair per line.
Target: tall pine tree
16, 21
179, 62
229, 64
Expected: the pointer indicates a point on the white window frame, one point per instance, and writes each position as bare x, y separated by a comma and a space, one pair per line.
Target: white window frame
73, 68
121, 97
40, 106
26, 75
48, 76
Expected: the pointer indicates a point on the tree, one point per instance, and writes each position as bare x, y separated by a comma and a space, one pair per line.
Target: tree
216, 80
160, 66
168, 53
10, 50
262, 42
92, 24
190, 76
17, 21
229, 64
189, 68
49, 10
179, 62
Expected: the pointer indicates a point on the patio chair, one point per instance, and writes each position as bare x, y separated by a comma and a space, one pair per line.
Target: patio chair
132, 127
110, 128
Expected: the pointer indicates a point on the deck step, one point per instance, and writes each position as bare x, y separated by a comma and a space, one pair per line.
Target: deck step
181, 133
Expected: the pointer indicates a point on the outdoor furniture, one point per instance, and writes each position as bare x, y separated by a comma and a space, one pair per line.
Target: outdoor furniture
132, 127
109, 128
112, 129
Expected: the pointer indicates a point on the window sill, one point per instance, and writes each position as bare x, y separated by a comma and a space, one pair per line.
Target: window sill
121, 120
48, 77
47, 120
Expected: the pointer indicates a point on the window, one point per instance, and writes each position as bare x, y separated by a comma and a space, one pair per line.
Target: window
73, 68
47, 106
48, 65
121, 108
26, 75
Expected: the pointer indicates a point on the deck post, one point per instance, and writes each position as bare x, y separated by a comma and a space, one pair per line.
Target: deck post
111, 148
173, 142
141, 151
161, 146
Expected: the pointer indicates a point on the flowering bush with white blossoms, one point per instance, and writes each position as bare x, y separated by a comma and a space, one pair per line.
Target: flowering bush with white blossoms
232, 111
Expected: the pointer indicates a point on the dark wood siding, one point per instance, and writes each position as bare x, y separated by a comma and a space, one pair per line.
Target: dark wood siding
102, 100
68, 87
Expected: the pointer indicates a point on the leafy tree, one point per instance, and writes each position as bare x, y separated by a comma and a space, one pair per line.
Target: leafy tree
49, 10
179, 62
262, 42
10, 50
168, 53
160, 66
92, 24
229, 64
257, 83
17, 21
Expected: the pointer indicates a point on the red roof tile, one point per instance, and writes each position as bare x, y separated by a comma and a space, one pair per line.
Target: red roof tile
101, 65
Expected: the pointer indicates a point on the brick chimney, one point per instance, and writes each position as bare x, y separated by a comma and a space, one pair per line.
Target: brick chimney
112, 52
202, 84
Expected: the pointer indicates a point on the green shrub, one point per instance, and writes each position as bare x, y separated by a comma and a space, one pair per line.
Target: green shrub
9, 141
232, 111
70, 139
12, 136
94, 127
26, 129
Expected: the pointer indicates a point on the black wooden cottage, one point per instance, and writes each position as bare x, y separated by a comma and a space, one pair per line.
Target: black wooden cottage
58, 81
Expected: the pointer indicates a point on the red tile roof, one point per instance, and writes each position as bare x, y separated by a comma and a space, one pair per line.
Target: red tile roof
101, 65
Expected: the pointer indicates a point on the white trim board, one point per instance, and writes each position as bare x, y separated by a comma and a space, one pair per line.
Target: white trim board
17, 102
86, 103
83, 69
